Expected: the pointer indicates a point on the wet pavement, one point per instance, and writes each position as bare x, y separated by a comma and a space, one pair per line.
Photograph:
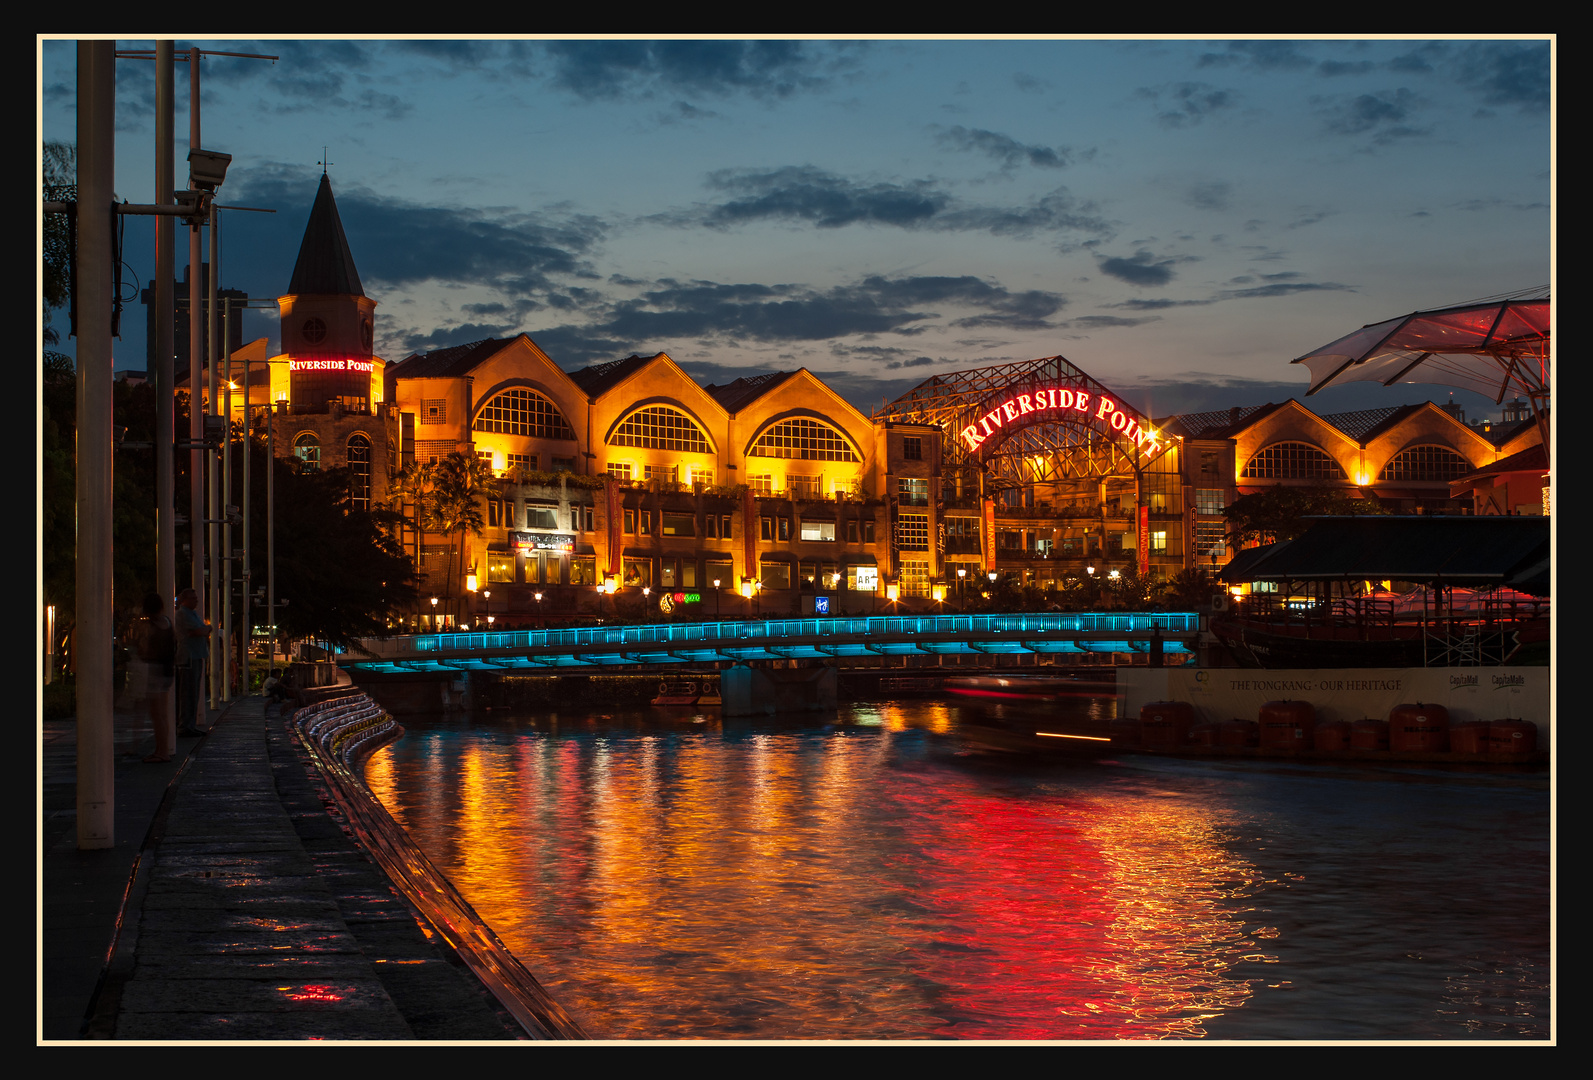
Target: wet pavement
234, 905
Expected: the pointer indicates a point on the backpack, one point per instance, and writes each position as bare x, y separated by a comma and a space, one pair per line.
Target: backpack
157, 646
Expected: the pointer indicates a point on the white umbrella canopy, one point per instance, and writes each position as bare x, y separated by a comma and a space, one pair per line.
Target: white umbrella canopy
1495, 346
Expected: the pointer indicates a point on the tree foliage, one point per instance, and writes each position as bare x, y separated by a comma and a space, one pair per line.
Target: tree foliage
339, 567
60, 185
1278, 513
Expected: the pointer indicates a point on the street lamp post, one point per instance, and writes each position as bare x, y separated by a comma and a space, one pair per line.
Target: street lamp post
716, 598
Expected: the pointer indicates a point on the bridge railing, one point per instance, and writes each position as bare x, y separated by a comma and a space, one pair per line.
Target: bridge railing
684, 634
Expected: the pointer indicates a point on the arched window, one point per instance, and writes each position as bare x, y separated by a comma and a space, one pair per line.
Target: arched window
1426, 463
523, 412
307, 448
658, 427
802, 438
1293, 461
359, 469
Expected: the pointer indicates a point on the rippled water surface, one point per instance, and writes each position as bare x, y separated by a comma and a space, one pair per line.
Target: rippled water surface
675, 876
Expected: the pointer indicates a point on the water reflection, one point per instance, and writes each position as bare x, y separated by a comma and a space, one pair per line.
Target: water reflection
673, 880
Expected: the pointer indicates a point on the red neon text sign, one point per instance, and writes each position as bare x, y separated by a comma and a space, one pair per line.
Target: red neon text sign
1099, 407
330, 365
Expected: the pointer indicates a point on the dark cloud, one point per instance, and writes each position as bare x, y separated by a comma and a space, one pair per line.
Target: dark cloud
1106, 322
1276, 287
1186, 104
400, 243
763, 69
1142, 268
1005, 149
803, 193
917, 361
1029, 84
671, 313
1309, 215
1511, 73
1384, 115
1211, 195
1259, 56
1332, 68
1202, 391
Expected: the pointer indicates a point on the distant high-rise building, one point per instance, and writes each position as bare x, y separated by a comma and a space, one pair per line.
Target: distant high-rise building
234, 329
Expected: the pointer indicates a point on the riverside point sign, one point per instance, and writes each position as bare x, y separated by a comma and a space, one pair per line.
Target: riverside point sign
330, 365
1037, 406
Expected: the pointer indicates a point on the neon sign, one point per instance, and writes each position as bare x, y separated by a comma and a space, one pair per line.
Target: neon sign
671, 600
532, 541
1046, 403
330, 365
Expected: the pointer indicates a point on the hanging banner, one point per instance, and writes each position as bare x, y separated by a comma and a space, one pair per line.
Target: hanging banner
987, 533
615, 521
1144, 541
749, 533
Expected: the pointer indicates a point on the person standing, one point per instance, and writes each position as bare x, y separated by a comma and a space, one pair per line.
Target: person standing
193, 635
153, 640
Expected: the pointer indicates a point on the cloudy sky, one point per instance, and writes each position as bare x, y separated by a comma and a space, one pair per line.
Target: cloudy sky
1180, 219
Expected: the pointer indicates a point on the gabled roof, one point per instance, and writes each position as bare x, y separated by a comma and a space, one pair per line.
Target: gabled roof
599, 379
1363, 425
737, 395
452, 362
1532, 459
326, 265
1221, 424
1455, 550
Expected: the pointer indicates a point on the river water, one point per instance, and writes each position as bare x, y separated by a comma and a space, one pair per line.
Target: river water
866, 875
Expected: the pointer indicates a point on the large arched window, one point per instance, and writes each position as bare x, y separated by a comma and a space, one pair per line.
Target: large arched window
1426, 463
307, 448
803, 438
1293, 461
659, 427
523, 412
359, 470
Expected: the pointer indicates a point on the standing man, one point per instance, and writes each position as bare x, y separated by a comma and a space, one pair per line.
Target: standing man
193, 637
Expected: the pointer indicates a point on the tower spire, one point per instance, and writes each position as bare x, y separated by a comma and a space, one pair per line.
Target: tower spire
325, 265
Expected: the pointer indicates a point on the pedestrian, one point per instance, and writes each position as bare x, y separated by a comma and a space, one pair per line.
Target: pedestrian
193, 636
153, 641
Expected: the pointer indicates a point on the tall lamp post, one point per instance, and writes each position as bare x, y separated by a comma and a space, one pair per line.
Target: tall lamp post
716, 598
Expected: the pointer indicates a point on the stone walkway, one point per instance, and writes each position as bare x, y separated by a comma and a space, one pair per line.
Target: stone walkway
251, 913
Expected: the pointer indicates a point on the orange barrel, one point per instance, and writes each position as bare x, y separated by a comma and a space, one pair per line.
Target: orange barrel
1238, 733
1164, 725
1469, 737
1286, 725
1203, 735
1125, 731
1332, 736
1418, 727
1369, 735
1512, 737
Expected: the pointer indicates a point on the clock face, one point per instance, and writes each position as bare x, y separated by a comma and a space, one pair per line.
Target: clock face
313, 331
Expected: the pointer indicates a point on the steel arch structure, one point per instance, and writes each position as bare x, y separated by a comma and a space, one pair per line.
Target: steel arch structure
1035, 421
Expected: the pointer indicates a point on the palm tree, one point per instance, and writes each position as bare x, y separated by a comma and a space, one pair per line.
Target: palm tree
462, 481
416, 483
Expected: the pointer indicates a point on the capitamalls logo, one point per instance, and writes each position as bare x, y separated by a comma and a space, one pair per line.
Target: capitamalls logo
1202, 676
1457, 681
1502, 681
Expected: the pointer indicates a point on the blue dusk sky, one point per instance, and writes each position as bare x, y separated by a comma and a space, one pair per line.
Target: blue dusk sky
1179, 218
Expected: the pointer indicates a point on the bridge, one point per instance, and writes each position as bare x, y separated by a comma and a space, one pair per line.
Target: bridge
750, 640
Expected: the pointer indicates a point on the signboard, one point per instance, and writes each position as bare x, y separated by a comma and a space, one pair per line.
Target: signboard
1038, 405
540, 541
821, 605
669, 601
347, 364
867, 578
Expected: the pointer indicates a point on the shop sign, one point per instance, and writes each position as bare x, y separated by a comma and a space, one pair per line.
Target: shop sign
538, 541
669, 601
1020, 410
867, 578
346, 364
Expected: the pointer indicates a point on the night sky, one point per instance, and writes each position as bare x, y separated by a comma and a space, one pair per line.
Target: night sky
1180, 219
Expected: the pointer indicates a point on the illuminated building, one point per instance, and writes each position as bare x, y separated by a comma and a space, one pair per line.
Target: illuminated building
784, 493
325, 387
773, 486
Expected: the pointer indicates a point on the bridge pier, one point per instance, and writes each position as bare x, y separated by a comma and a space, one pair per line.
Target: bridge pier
749, 691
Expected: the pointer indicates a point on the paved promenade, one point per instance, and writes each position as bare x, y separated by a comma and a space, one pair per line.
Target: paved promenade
249, 912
